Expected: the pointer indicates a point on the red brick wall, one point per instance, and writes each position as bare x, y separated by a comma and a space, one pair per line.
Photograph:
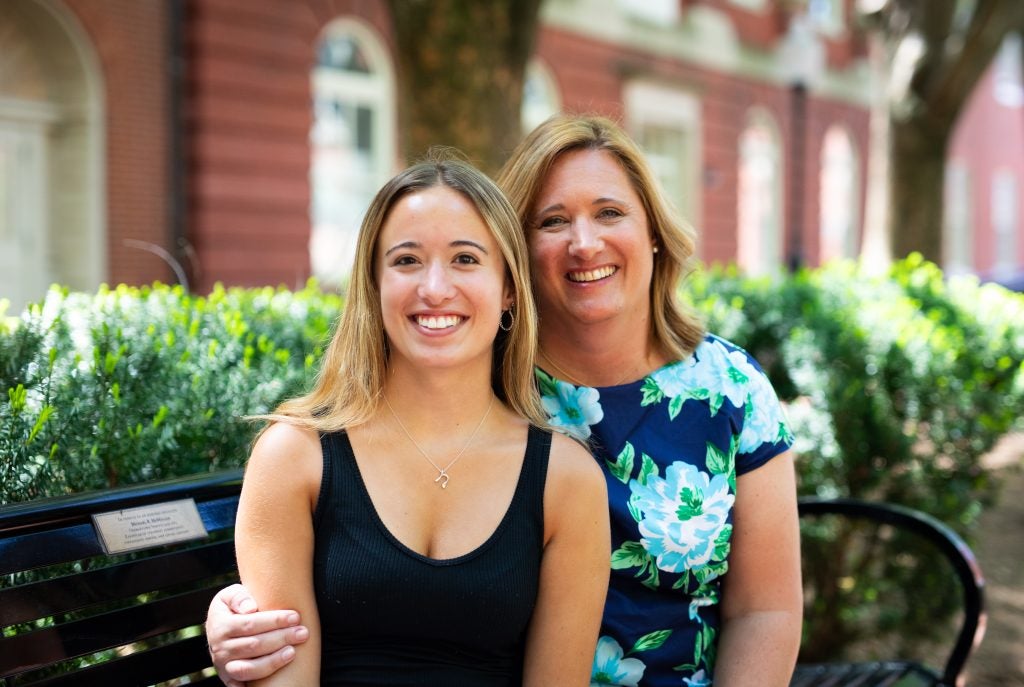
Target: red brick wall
591, 76
989, 136
131, 40
248, 116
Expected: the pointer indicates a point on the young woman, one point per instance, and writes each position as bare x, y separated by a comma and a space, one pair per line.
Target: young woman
411, 507
705, 581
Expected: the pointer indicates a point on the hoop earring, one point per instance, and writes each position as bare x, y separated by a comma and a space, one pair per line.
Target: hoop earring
511, 319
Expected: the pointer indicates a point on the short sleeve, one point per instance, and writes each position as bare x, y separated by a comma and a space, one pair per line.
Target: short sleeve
765, 433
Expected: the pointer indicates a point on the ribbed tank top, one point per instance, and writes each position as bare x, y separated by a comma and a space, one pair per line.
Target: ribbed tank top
390, 616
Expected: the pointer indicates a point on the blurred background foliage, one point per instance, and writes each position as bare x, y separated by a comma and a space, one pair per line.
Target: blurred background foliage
136, 384
896, 385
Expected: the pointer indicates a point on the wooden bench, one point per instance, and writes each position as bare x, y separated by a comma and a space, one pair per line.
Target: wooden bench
72, 614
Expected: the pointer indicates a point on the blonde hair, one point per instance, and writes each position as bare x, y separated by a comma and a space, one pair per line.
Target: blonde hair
352, 372
674, 327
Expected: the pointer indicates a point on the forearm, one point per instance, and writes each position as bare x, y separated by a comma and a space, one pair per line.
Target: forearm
758, 649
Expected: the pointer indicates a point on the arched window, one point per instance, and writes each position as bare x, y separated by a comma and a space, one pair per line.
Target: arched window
51, 154
958, 211
352, 141
666, 122
540, 95
838, 201
759, 210
1005, 216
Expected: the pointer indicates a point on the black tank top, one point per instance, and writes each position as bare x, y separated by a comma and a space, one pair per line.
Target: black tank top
390, 616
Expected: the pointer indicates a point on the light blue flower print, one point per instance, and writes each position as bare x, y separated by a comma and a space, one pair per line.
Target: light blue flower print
683, 515
763, 418
724, 373
679, 379
574, 409
697, 680
714, 372
610, 668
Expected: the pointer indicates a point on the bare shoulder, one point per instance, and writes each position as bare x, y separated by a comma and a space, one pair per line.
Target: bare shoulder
572, 467
286, 454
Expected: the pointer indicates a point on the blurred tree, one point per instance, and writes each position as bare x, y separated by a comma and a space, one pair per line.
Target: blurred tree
927, 56
460, 75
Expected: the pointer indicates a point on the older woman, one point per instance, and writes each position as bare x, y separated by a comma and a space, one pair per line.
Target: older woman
705, 565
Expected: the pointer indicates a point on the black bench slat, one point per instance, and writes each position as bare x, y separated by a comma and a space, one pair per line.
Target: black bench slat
147, 667
43, 647
116, 591
71, 601
968, 574
867, 674
72, 542
77, 591
52, 513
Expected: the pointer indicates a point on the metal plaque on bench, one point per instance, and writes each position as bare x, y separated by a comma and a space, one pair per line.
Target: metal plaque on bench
142, 527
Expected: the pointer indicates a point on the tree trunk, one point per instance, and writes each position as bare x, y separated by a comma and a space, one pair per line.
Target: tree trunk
917, 170
936, 51
461, 65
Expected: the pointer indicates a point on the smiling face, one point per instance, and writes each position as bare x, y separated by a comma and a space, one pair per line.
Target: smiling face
442, 281
590, 244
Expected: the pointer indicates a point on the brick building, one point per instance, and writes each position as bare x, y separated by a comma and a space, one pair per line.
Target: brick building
240, 140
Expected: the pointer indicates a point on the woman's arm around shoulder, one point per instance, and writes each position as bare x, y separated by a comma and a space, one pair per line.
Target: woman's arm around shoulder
274, 535
762, 600
574, 570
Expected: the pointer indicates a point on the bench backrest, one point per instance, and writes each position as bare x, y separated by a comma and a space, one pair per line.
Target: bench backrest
137, 616
119, 619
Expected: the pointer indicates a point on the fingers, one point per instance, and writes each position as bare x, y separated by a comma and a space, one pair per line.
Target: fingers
248, 644
253, 646
240, 672
236, 598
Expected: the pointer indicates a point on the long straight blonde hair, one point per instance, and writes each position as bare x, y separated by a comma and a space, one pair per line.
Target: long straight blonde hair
674, 327
352, 373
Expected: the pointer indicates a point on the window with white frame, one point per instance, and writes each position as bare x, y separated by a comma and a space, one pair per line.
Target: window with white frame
826, 15
957, 250
540, 95
1007, 79
1005, 219
666, 122
750, 4
663, 12
838, 199
759, 197
352, 141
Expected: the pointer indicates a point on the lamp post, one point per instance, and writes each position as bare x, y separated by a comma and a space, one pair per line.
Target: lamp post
802, 61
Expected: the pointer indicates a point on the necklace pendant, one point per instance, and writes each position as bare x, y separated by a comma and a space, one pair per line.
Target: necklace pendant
442, 476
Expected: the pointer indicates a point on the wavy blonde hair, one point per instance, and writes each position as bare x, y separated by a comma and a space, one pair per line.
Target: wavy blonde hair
352, 373
674, 326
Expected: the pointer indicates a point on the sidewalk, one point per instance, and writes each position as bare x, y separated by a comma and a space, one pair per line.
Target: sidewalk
999, 544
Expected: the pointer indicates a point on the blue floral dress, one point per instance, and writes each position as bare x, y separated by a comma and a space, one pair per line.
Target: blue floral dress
671, 446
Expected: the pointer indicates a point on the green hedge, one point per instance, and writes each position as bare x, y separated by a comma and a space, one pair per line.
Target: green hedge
136, 384
895, 387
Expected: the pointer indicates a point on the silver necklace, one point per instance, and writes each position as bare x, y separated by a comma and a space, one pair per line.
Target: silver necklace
442, 472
